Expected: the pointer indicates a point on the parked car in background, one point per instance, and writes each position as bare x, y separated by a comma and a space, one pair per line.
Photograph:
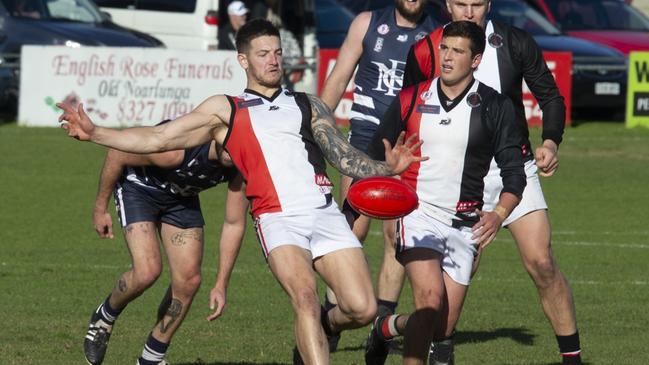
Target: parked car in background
614, 23
54, 22
182, 24
599, 73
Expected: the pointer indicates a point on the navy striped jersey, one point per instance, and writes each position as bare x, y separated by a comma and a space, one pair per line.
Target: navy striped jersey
461, 137
195, 174
379, 76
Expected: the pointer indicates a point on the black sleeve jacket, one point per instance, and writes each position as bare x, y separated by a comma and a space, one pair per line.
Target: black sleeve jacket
519, 58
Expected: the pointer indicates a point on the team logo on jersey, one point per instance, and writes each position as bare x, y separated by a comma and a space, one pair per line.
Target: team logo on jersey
474, 99
446, 121
495, 40
426, 95
383, 29
248, 103
420, 36
402, 37
288, 93
427, 109
390, 80
378, 46
272, 108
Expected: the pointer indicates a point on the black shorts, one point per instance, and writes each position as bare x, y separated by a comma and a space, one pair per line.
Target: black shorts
136, 203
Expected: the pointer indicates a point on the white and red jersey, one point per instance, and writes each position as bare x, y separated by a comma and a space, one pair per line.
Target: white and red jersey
271, 143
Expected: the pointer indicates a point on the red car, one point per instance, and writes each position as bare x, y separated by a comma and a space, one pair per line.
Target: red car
614, 23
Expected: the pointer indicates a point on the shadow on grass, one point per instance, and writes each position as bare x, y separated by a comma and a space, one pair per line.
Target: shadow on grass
199, 362
522, 336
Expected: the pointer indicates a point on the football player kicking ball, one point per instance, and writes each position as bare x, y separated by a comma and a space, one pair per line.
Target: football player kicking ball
157, 195
279, 140
463, 124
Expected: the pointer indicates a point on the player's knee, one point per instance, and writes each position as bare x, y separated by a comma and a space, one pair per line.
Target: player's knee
146, 275
187, 285
361, 311
428, 301
543, 270
305, 300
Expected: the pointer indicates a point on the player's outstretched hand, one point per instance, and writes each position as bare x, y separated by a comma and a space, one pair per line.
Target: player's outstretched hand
76, 122
217, 302
485, 231
399, 157
103, 224
546, 158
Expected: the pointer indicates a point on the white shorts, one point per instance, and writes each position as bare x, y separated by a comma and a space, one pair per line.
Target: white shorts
532, 195
319, 230
458, 250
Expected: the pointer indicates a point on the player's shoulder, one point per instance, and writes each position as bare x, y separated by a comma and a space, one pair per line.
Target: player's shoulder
514, 32
361, 22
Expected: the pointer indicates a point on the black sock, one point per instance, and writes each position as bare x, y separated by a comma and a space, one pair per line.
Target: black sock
326, 324
154, 351
569, 346
328, 305
106, 312
386, 307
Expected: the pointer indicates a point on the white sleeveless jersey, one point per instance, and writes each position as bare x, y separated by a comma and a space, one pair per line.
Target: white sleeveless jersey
271, 143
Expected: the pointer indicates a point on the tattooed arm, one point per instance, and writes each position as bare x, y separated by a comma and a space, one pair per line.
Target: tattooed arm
349, 160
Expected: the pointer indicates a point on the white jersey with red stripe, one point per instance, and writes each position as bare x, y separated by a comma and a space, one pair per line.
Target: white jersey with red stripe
271, 143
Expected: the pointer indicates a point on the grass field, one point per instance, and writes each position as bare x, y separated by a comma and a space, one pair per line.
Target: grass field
54, 270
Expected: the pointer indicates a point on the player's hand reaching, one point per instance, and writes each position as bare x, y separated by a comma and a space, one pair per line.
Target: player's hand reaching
399, 157
546, 158
485, 231
76, 122
217, 302
103, 223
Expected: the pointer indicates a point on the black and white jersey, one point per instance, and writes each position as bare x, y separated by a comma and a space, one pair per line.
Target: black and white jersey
511, 56
460, 138
195, 174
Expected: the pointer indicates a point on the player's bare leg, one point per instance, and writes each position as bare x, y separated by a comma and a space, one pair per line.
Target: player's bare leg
449, 316
142, 242
423, 268
346, 273
292, 267
532, 234
184, 248
391, 273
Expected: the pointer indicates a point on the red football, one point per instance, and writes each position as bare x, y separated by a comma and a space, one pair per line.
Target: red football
382, 197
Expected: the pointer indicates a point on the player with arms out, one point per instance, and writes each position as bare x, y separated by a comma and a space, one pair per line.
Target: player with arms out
279, 141
512, 56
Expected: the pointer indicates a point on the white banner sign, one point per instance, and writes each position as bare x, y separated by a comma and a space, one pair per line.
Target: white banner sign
122, 87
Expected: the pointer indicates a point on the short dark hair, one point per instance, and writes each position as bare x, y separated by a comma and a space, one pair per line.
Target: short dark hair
467, 29
253, 29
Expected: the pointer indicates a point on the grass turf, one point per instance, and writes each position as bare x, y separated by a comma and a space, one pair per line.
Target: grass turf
54, 270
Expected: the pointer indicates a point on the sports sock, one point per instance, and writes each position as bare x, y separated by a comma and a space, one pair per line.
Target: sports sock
328, 305
388, 326
106, 313
386, 307
154, 351
569, 348
326, 324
